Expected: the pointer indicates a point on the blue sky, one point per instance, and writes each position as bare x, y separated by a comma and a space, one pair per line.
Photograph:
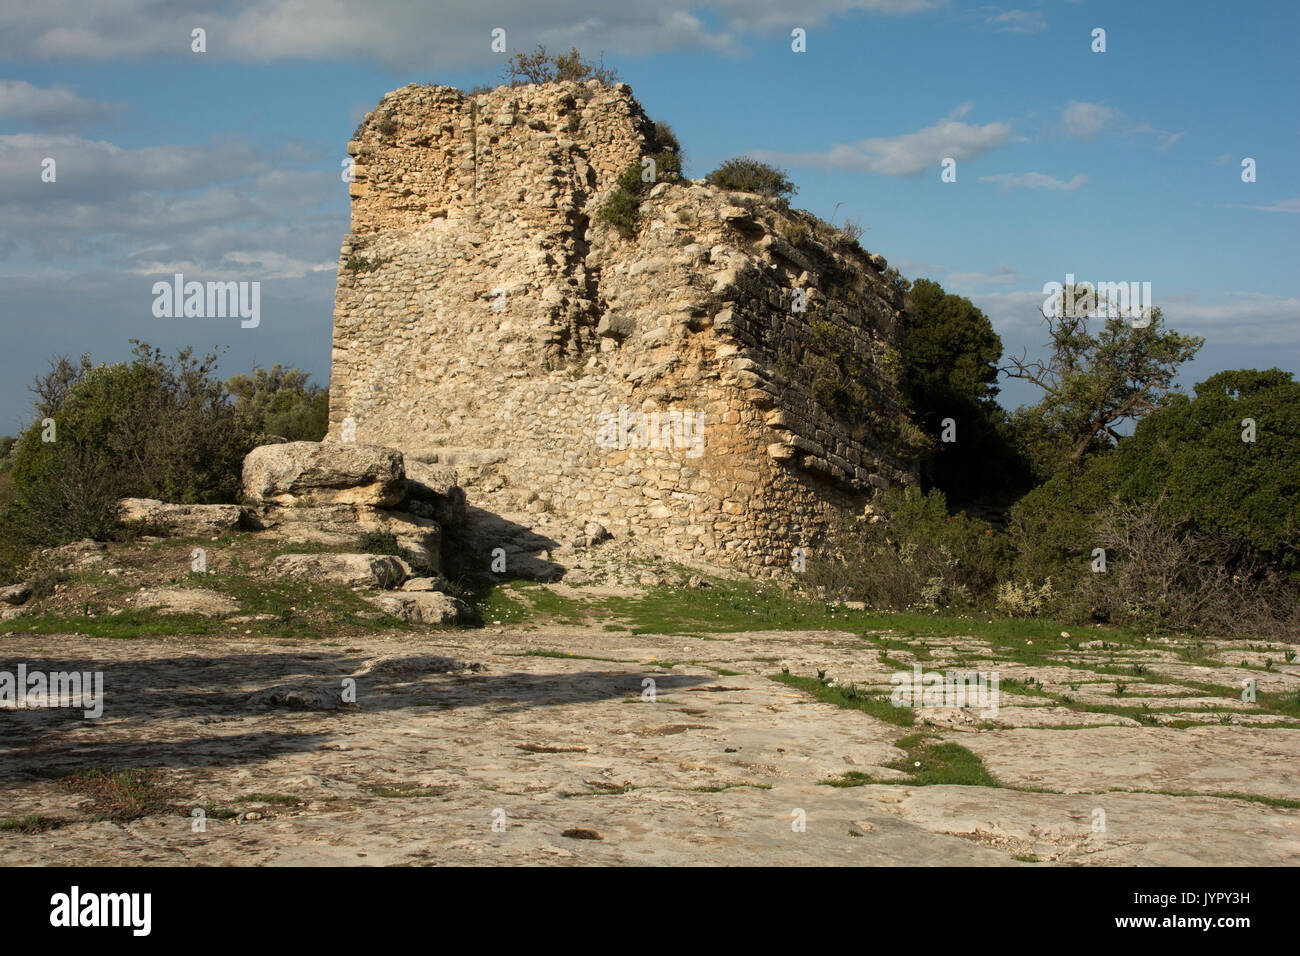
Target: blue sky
225, 165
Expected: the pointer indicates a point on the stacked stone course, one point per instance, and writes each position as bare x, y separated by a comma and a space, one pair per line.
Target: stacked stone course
487, 321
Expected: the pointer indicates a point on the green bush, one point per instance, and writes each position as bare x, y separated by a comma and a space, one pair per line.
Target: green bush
914, 555
621, 208
1190, 456
1199, 527
751, 176
1054, 528
950, 370
283, 402
157, 428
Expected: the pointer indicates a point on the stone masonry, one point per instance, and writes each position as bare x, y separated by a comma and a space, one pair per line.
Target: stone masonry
670, 385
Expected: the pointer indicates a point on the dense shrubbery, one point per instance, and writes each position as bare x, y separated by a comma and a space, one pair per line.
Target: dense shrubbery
950, 372
1197, 528
1197, 525
155, 427
751, 176
913, 554
284, 402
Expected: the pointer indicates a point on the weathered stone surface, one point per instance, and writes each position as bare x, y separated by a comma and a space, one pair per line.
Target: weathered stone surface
485, 315
181, 521
324, 473
432, 493
419, 538
424, 607
16, 593
186, 601
721, 760
78, 554
426, 584
353, 570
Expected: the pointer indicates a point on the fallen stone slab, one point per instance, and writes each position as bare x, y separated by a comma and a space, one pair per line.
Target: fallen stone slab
321, 473
420, 539
16, 593
431, 493
354, 570
424, 607
181, 521
299, 698
415, 665
438, 583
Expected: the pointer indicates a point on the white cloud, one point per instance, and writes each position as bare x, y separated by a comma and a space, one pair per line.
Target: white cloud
1017, 21
1086, 120
221, 206
1240, 318
403, 34
1009, 181
1167, 140
52, 107
908, 154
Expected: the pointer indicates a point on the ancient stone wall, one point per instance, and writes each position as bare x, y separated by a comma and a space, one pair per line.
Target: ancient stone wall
671, 385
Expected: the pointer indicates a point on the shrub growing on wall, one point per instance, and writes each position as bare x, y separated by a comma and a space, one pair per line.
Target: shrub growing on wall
751, 176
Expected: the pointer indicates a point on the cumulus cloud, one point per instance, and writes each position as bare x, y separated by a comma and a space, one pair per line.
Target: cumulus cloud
908, 154
51, 107
1009, 181
403, 33
221, 205
1086, 120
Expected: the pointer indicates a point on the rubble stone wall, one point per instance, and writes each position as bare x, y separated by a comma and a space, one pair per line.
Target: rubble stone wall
486, 321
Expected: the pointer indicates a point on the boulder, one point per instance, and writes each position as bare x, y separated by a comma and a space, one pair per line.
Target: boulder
308, 473
431, 493
354, 570
16, 593
181, 521
438, 583
78, 554
424, 607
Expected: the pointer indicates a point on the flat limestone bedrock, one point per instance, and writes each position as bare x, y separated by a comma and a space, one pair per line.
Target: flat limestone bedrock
480, 305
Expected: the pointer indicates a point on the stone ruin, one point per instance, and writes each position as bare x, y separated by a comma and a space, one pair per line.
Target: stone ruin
681, 387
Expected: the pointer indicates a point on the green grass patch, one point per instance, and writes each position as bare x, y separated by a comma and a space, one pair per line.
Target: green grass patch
848, 697
32, 823
120, 795
928, 762
565, 655
124, 624
407, 793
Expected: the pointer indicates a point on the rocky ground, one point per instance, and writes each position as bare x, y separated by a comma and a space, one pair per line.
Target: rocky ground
705, 725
